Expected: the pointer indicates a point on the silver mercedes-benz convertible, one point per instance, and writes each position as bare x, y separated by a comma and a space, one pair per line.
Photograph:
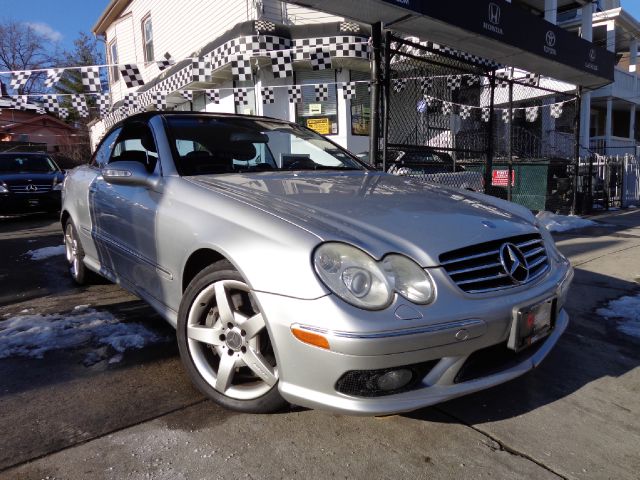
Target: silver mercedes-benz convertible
294, 273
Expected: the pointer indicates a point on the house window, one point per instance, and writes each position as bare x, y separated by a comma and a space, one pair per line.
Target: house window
361, 104
147, 38
321, 116
113, 59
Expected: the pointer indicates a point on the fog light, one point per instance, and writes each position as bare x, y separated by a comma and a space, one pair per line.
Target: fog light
394, 380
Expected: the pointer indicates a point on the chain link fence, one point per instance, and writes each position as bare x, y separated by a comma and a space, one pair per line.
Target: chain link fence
455, 120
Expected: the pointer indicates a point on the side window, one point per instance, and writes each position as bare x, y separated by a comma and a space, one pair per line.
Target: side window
101, 157
136, 144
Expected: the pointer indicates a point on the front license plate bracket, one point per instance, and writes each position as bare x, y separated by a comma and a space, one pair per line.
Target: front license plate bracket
532, 323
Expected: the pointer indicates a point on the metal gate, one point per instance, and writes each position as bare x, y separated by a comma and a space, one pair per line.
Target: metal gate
608, 182
459, 120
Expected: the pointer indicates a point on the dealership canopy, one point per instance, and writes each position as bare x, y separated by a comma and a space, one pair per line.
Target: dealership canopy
492, 29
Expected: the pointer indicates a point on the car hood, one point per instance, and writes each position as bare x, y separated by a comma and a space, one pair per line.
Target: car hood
21, 178
377, 212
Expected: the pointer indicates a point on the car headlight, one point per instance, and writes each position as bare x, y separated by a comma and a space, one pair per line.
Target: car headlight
58, 186
3, 189
352, 275
409, 280
360, 280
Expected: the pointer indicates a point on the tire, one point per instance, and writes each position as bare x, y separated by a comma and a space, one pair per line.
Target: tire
74, 254
224, 343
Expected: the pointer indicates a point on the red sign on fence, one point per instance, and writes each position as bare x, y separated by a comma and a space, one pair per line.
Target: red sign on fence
499, 178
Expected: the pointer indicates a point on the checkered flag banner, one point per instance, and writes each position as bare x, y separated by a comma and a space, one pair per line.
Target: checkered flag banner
531, 114
502, 80
465, 111
131, 100
530, 79
78, 102
240, 96
281, 63
63, 112
486, 114
267, 95
426, 84
165, 63
19, 102
51, 102
454, 82
349, 90
264, 26
447, 108
53, 76
19, 79
91, 79
320, 59
295, 93
159, 100
131, 75
102, 100
398, 84
83, 112
473, 80
322, 92
41, 110
213, 94
429, 99
187, 95
505, 115
200, 69
556, 110
241, 68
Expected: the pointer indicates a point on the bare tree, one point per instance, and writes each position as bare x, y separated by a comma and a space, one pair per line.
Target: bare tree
22, 48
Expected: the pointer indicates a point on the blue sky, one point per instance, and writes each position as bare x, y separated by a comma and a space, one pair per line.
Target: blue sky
633, 7
59, 20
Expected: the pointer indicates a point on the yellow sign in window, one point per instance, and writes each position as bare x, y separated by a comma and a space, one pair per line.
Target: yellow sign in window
320, 125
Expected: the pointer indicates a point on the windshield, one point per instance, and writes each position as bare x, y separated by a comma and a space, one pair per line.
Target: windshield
26, 164
209, 145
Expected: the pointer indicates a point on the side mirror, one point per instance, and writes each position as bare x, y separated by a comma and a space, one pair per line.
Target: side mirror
128, 173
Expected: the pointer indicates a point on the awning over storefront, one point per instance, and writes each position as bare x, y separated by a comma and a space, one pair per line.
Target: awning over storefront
493, 29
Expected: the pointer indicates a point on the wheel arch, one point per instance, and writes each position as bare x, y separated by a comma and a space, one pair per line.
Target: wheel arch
198, 261
64, 216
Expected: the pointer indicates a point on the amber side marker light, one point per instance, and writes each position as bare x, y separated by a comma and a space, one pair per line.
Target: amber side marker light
311, 338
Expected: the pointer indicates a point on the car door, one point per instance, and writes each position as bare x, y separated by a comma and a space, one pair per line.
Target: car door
81, 187
125, 215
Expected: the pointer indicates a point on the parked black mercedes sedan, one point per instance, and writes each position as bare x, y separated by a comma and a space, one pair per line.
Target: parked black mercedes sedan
29, 182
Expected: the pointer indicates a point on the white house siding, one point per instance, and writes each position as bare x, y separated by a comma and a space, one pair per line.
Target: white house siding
179, 28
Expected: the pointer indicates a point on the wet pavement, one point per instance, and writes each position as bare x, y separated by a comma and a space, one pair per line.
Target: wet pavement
576, 416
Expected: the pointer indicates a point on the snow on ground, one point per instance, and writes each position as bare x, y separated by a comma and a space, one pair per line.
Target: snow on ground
34, 335
562, 223
626, 310
46, 252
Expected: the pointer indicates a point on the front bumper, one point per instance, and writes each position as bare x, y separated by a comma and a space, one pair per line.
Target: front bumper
30, 202
445, 333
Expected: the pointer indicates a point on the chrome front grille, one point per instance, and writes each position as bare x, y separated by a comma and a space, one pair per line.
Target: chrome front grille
29, 188
479, 268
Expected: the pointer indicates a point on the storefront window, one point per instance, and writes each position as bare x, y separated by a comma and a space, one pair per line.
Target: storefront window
321, 116
361, 104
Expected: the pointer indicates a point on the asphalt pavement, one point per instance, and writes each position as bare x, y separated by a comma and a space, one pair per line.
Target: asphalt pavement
576, 416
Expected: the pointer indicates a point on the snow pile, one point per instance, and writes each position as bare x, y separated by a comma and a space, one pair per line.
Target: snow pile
46, 252
562, 223
627, 311
34, 335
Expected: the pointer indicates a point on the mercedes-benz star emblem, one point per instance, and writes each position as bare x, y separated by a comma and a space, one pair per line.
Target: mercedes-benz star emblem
514, 263
31, 187
550, 38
